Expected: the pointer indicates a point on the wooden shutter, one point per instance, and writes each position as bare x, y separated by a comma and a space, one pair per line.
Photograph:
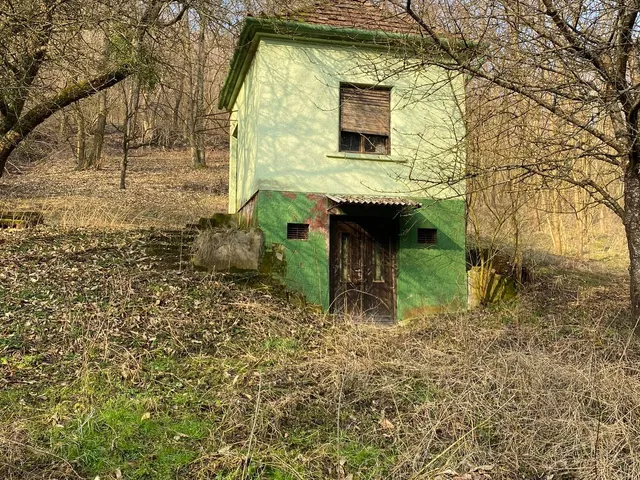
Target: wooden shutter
365, 110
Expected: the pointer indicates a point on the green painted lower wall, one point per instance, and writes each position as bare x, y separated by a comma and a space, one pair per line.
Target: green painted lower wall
302, 265
432, 278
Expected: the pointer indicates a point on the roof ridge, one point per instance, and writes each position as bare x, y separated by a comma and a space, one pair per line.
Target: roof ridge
352, 14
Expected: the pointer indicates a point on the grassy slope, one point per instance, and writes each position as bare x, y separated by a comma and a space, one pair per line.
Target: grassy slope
115, 363
112, 365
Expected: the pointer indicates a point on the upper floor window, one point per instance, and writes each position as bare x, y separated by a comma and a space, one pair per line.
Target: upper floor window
365, 118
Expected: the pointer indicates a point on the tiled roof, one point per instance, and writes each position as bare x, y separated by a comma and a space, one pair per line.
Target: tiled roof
355, 14
351, 21
369, 200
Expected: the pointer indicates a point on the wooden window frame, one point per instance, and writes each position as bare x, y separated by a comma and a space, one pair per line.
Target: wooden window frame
364, 137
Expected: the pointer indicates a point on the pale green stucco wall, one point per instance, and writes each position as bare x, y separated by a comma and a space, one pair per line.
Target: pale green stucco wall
288, 109
299, 120
243, 159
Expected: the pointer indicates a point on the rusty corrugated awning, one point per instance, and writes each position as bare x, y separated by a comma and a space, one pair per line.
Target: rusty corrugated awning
374, 201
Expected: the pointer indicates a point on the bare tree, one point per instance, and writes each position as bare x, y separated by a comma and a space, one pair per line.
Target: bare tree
195, 121
131, 95
576, 64
97, 139
81, 139
41, 75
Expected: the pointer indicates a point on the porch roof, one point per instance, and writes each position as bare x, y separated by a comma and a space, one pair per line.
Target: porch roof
374, 201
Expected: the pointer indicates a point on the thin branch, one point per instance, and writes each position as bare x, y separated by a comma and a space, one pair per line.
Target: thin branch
465, 67
573, 38
177, 18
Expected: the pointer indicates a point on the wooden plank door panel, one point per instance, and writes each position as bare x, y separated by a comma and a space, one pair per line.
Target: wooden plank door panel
363, 268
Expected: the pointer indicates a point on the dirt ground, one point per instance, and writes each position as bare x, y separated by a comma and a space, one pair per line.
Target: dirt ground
163, 190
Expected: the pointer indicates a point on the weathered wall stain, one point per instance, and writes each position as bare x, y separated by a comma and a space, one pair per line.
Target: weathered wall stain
429, 278
304, 266
319, 218
246, 215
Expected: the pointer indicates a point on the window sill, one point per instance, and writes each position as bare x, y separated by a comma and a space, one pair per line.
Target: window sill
366, 156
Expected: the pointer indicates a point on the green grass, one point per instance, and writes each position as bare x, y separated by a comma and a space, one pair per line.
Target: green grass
369, 461
113, 368
121, 435
282, 345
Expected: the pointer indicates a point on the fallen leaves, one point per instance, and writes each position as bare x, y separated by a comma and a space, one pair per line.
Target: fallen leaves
481, 472
386, 424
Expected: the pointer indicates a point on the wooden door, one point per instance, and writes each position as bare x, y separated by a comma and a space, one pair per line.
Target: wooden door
363, 277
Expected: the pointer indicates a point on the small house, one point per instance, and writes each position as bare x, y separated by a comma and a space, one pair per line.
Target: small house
346, 151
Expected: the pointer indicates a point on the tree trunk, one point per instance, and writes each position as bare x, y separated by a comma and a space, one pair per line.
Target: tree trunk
7, 146
62, 128
129, 129
517, 259
124, 163
81, 141
148, 133
175, 120
582, 222
555, 222
196, 134
97, 142
632, 229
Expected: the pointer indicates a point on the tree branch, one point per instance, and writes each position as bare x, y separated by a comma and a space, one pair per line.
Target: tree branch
39, 113
625, 41
573, 39
177, 18
72, 94
465, 67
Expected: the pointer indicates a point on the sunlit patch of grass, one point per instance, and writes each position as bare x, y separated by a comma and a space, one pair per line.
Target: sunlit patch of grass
121, 435
364, 461
281, 345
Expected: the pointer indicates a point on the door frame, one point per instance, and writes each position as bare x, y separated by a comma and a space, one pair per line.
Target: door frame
394, 226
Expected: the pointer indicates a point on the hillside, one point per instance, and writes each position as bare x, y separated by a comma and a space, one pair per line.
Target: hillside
162, 191
118, 361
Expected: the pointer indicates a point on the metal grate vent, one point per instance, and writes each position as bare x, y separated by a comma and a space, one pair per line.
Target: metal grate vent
427, 236
297, 231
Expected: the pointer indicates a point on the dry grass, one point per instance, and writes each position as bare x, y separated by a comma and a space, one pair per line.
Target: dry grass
115, 365
163, 191
120, 364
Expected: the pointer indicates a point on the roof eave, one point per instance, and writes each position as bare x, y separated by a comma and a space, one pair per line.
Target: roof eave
249, 38
374, 201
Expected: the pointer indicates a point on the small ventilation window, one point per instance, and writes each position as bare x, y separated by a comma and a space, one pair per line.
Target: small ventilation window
427, 236
297, 231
